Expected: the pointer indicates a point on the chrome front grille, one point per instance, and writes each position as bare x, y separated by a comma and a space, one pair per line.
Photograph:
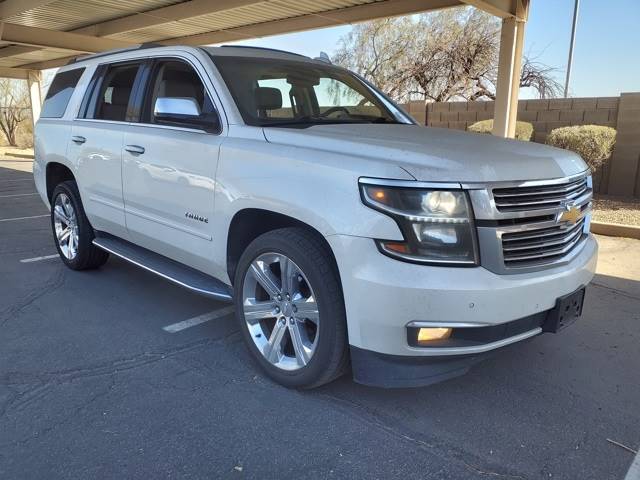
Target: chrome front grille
531, 225
543, 245
526, 198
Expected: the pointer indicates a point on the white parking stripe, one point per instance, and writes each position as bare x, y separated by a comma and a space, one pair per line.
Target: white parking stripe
37, 259
22, 218
18, 195
192, 322
634, 470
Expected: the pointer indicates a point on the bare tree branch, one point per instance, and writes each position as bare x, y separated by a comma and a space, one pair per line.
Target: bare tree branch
14, 107
441, 56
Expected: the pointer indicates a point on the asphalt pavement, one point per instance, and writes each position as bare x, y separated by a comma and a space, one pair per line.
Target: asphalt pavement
92, 385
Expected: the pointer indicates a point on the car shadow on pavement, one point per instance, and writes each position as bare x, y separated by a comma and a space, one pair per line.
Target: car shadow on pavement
520, 408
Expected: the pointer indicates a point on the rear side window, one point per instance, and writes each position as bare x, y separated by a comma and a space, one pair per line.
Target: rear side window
60, 93
115, 92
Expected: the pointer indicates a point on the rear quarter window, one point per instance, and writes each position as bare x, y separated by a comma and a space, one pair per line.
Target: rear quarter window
60, 93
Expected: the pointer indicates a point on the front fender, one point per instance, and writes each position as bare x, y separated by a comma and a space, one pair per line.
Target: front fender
317, 188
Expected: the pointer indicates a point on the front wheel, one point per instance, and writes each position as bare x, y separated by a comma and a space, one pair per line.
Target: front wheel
72, 231
290, 308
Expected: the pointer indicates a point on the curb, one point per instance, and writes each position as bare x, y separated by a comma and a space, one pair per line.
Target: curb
615, 230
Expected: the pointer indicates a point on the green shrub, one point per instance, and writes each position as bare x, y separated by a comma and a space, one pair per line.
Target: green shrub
524, 130
594, 143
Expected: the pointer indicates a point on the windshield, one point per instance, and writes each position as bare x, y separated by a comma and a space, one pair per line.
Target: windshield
270, 92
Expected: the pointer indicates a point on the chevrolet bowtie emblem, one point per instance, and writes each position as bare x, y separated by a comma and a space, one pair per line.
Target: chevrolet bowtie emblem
571, 214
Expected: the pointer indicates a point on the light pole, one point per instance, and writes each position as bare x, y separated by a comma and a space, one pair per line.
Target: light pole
573, 42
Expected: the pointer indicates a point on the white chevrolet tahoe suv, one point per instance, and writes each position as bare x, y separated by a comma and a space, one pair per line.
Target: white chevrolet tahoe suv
346, 234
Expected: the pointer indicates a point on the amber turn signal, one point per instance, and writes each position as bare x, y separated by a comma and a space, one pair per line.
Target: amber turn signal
428, 334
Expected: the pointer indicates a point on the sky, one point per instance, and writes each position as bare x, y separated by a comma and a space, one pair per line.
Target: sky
606, 58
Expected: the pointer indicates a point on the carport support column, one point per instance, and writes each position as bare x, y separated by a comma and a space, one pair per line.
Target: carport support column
34, 79
508, 86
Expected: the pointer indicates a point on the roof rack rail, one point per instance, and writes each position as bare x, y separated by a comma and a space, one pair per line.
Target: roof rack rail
142, 46
265, 48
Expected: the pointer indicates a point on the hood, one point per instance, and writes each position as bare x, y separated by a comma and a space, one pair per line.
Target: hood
436, 154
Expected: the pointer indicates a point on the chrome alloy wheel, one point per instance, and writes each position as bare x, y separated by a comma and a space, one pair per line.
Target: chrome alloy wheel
280, 310
65, 223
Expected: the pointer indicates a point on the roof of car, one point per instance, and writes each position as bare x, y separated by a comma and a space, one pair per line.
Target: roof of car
253, 52
222, 51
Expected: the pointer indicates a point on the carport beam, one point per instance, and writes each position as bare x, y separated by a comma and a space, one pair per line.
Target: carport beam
34, 79
508, 86
515, 79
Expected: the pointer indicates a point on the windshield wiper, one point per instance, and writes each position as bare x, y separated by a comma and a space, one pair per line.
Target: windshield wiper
383, 120
306, 121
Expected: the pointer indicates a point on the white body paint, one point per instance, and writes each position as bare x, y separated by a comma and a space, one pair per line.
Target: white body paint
312, 176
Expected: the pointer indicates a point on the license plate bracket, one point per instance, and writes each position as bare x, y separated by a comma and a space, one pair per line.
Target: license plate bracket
567, 310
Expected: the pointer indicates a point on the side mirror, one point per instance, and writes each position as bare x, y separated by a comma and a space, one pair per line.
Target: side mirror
176, 106
184, 112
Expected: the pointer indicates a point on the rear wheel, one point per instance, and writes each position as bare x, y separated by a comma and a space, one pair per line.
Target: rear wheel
72, 231
290, 308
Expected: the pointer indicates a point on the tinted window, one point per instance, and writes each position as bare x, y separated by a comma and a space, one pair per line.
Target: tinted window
115, 91
174, 82
270, 92
60, 93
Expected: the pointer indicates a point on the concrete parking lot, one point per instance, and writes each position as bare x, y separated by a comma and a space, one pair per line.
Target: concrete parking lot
93, 386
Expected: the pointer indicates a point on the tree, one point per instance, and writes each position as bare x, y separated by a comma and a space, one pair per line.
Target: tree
439, 56
14, 107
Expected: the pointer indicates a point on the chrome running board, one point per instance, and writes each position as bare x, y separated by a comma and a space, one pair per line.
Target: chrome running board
175, 272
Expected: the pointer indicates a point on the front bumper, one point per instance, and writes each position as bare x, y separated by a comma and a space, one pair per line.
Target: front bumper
381, 370
397, 371
383, 295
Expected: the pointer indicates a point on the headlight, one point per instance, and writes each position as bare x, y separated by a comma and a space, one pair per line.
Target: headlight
437, 225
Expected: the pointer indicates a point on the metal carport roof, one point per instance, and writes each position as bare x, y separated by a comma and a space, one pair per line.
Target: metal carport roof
40, 34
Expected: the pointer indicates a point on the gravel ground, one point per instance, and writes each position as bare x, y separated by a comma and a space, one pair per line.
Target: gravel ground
610, 209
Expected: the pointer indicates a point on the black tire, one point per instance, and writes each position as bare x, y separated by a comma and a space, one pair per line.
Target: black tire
312, 255
88, 255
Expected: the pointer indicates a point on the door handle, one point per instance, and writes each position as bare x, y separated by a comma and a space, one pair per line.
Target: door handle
136, 149
78, 139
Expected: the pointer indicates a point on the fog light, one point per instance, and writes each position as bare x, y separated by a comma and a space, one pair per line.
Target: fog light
428, 334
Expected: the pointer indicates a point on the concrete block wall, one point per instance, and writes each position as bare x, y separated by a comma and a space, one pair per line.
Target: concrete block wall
621, 176
416, 110
624, 175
